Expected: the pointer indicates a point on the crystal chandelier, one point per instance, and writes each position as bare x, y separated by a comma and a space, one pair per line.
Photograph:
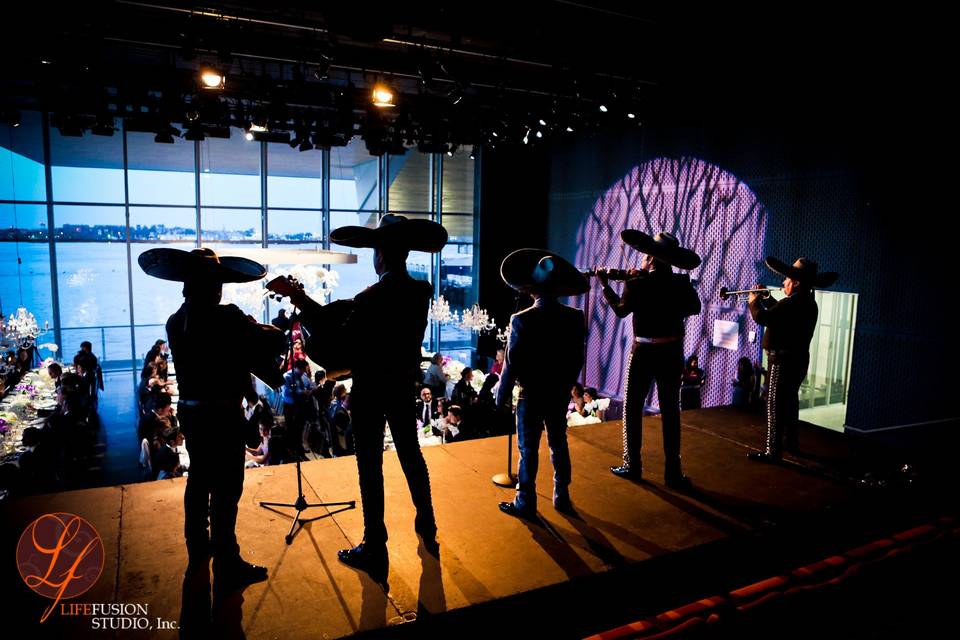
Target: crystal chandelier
440, 311
22, 329
477, 320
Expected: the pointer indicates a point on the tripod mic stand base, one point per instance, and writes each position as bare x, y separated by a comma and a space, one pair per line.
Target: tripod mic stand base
505, 480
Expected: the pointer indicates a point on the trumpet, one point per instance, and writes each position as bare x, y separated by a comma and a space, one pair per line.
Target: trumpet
741, 294
612, 274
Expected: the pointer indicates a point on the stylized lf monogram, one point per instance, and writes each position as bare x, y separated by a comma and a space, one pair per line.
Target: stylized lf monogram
60, 556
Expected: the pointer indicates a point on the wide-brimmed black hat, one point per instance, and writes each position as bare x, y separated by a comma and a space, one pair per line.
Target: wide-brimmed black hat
663, 246
542, 272
804, 270
394, 231
199, 264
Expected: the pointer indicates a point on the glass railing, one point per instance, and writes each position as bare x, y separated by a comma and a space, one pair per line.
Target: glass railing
111, 343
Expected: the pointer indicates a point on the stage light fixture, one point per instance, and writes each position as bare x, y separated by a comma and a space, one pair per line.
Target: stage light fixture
103, 126
631, 115
382, 96
526, 137
542, 122
194, 133
248, 135
569, 129
473, 153
603, 108
212, 79
539, 133
495, 134
322, 72
12, 118
164, 137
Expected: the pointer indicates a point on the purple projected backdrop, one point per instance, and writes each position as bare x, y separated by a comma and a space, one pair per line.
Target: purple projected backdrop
710, 211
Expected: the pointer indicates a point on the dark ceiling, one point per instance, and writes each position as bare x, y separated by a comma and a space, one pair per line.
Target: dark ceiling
514, 62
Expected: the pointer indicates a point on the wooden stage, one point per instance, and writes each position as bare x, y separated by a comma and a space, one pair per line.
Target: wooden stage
486, 557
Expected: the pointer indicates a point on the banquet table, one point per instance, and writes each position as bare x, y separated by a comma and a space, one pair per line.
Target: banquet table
26, 404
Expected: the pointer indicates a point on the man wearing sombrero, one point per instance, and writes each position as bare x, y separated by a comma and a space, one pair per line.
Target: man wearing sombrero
789, 325
209, 410
659, 301
386, 330
544, 357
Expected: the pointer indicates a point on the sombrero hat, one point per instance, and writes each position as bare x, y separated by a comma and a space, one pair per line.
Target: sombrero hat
804, 270
199, 264
663, 246
542, 272
394, 231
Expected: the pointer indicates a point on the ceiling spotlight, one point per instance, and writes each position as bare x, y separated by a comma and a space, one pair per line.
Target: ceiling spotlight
526, 137
569, 129
631, 115
539, 133
305, 144
248, 135
192, 115
603, 108
258, 128
542, 122
473, 153
382, 95
211, 79
495, 134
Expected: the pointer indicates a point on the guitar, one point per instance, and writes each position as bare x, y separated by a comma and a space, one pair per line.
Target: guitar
325, 328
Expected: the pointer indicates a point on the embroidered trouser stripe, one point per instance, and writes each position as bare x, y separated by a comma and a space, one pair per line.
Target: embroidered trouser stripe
773, 426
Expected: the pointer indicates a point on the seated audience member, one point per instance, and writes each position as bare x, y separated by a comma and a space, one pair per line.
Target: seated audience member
591, 403
69, 422
426, 407
483, 415
464, 394
691, 380
442, 404
435, 378
261, 455
576, 399
450, 427
25, 360
341, 426
158, 419
744, 385
497, 366
166, 459
54, 370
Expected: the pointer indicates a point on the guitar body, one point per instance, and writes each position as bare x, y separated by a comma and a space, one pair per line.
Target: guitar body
326, 338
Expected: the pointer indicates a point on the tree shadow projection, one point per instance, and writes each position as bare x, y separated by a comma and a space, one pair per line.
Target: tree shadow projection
712, 212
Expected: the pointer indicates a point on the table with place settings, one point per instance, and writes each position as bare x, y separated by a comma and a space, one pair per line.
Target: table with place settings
26, 404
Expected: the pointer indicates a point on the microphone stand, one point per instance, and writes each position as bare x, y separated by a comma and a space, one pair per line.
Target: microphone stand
301, 504
508, 479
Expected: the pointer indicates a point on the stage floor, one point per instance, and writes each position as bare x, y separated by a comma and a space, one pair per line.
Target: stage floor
485, 555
